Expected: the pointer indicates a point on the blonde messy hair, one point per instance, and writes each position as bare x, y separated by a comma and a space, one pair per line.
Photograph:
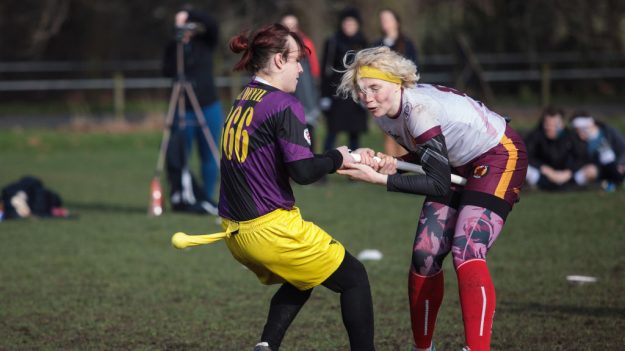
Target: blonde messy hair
381, 58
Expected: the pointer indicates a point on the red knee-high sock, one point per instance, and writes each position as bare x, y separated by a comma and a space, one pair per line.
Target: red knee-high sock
426, 296
477, 299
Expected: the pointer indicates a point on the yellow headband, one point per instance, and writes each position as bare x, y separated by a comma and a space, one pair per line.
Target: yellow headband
372, 72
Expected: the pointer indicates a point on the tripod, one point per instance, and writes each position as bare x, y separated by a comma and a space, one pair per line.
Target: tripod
182, 88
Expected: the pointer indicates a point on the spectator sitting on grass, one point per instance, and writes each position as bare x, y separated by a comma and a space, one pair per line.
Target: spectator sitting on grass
557, 159
605, 146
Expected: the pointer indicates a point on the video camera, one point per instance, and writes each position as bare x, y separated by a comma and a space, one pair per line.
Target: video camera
190, 27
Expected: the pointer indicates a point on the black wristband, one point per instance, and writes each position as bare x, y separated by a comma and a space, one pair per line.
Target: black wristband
337, 158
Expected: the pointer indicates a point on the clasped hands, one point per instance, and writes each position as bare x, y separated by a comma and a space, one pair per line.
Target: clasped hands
368, 170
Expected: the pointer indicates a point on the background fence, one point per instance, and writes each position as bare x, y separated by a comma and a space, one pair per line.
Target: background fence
482, 70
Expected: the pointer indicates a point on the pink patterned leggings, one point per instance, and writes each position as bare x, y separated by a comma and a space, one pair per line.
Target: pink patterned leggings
468, 233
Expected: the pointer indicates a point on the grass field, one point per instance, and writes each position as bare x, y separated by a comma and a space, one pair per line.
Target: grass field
108, 278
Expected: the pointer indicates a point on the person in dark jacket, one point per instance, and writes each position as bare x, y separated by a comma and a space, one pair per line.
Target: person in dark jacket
557, 161
343, 115
198, 33
392, 37
605, 147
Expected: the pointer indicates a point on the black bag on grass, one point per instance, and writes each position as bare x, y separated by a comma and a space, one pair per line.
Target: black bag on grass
28, 197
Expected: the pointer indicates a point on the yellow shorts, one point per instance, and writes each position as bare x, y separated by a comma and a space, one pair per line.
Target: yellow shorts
281, 247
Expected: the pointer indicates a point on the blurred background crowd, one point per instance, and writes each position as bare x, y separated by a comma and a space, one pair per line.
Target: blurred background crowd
111, 64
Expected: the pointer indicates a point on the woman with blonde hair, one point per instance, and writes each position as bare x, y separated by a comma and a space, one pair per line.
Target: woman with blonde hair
396, 40
443, 130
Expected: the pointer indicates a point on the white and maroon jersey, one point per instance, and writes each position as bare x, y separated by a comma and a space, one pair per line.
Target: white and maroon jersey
469, 128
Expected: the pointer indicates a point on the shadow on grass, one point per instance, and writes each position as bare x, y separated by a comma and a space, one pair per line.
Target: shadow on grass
538, 308
105, 207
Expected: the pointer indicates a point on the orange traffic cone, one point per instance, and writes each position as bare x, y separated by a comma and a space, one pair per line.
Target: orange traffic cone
156, 198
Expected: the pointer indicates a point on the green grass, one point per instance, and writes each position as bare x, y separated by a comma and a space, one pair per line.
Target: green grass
109, 280
81, 105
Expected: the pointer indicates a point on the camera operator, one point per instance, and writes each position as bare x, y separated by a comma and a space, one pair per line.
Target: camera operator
198, 34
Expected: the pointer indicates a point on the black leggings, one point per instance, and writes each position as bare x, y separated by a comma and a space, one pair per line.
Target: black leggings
351, 281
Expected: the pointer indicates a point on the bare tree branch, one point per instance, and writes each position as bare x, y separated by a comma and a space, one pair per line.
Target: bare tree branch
54, 13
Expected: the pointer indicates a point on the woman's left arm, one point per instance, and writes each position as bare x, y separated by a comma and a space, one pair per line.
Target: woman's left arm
437, 178
435, 182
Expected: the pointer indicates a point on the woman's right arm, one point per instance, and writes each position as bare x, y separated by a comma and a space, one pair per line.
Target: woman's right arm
310, 170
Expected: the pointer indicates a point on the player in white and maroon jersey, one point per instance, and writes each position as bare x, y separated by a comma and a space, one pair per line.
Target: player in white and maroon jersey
445, 131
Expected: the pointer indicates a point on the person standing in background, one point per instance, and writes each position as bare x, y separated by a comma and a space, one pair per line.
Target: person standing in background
306, 91
343, 115
199, 34
392, 37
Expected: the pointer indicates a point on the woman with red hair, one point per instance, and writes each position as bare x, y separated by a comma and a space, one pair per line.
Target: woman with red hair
265, 145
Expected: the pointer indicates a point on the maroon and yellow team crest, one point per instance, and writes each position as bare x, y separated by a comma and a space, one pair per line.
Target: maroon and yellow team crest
480, 171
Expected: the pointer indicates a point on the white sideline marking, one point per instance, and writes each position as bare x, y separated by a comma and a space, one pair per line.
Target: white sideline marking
370, 254
581, 279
